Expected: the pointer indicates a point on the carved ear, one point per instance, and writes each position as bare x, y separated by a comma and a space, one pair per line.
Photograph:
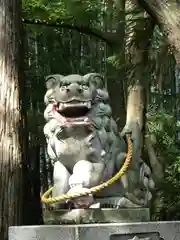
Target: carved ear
95, 79
53, 80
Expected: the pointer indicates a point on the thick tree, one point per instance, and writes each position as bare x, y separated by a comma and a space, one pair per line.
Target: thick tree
11, 117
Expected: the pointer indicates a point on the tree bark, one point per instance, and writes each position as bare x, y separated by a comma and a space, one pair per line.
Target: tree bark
167, 15
108, 37
11, 117
138, 34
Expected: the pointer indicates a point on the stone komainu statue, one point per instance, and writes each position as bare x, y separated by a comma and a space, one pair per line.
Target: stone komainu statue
85, 146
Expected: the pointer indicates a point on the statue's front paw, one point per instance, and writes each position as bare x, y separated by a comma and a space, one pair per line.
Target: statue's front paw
126, 130
82, 201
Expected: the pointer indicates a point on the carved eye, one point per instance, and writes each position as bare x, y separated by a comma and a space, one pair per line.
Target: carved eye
84, 87
63, 88
46, 136
51, 100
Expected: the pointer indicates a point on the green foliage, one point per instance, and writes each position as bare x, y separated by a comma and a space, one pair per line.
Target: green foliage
163, 129
43, 9
84, 12
58, 51
115, 61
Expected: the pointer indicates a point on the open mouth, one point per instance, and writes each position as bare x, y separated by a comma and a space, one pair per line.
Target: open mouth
74, 109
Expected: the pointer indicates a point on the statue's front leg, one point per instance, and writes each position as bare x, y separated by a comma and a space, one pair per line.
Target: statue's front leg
85, 175
61, 181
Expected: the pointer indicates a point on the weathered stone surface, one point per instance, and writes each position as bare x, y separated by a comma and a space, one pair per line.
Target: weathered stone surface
96, 216
86, 148
121, 231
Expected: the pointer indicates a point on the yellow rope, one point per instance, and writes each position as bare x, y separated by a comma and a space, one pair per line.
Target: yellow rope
46, 200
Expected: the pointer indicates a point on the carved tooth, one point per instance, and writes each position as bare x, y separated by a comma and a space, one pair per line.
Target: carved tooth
103, 153
89, 105
86, 120
61, 106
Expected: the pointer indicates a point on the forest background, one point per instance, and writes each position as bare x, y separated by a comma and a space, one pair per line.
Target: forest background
128, 42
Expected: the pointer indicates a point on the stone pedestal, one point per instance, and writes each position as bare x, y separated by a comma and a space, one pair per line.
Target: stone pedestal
111, 215
116, 231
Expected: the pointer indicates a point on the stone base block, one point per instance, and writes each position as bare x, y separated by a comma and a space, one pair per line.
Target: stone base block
116, 231
111, 215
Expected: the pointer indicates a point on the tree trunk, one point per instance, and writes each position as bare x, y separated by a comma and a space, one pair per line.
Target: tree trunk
138, 34
167, 15
11, 119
